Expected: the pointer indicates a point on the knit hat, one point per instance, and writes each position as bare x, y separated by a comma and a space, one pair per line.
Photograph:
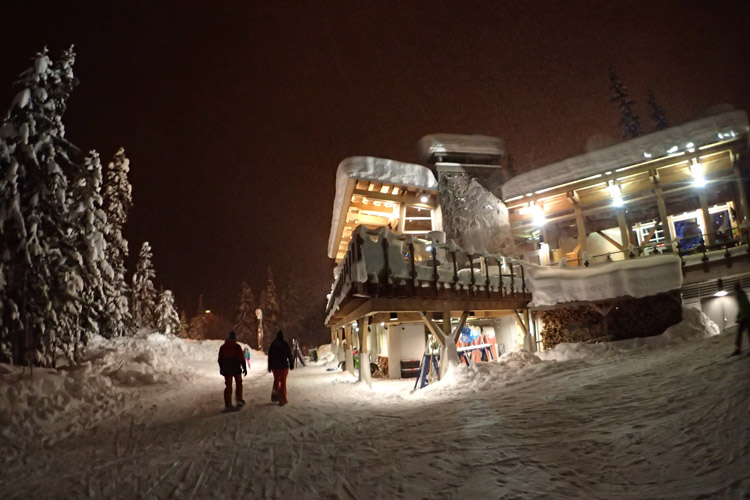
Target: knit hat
232, 336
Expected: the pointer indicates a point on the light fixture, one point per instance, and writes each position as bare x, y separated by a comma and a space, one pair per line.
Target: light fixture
208, 311
696, 168
720, 292
428, 248
690, 147
424, 198
538, 215
616, 194
673, 149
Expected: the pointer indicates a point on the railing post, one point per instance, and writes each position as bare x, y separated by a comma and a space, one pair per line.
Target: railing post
523, 279
512, 279
471, 268
413, 267
703, 249
434, 268
487, 276
386, 267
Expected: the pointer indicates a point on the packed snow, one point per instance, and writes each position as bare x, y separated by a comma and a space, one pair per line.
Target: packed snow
372, 169
664, 417
672, 141
641, 277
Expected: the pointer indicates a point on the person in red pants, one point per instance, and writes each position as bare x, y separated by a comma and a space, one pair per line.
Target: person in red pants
232, 366
280, 361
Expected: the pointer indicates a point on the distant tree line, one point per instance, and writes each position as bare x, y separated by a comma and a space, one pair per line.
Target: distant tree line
62, 251
629, 120
285, 307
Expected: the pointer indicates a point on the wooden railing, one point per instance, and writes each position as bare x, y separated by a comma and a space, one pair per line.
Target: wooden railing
446, 269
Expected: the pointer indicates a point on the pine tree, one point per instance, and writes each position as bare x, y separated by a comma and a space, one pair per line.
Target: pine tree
291, 309
246, 324
184, 326
167, 320
629, 121
143, 291
117, 199
91, 226
269, 304
657, 114
42, 282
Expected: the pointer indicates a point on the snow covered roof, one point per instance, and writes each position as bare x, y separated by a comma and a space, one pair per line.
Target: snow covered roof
434, 145
636, 278
372, 169
671, 141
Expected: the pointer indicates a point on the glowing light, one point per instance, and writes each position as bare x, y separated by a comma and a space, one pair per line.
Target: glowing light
428, 248
616, 194
424, 198
721, 293
673, 149
696, 168
646, 155
690, 147
208, 311
538, 218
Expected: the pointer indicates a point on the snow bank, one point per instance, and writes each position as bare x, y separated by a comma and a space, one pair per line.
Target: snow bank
672, 141
53, 404
641, 277
694, 325
522, 366
437, 145
374, 170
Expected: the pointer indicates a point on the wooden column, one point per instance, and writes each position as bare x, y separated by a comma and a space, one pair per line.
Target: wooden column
742, 213
581, 229
624, 232
447, 325
708, 237
663, 213
348, 351
362, 324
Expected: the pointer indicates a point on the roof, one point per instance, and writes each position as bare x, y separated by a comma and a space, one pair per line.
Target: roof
436, 145
381, 170
672, 141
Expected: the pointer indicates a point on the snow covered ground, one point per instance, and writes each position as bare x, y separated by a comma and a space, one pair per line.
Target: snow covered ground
667, 417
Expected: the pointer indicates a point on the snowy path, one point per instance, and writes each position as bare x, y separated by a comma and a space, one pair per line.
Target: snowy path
664, 423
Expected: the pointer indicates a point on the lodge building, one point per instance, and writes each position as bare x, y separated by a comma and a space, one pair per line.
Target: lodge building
457, 251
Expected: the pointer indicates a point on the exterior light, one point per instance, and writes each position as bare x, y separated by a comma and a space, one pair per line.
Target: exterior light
696, 168
538, 215
616, 194
646, 155
673, 149
690, 147
720, 292
424, 198
208, 311
428, 248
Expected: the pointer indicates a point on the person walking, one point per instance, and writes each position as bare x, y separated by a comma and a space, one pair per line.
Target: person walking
232, 366
280, 361
743, 316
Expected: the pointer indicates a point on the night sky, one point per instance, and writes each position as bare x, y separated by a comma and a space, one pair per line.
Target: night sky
235, 115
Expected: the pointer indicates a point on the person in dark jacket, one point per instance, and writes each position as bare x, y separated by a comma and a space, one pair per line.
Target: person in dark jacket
232, 366
280, 361
743, 317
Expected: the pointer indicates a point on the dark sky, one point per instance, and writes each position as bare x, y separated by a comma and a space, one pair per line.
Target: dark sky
236, 114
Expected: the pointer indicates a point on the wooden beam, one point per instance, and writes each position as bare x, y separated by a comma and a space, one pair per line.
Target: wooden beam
433, 328
408, 197
663, 216
610, 239
520, 322
581, 226
460, 326
625, 232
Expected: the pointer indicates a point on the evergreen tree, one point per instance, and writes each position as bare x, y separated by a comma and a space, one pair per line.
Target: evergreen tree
291, 309
184, 326
117, 201
167, 320
144, 293
269, 304
657, 114
247, 324
91, 226
198, 325
42, 270
629, 121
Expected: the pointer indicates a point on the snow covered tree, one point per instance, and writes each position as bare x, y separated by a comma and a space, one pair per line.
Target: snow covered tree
143, 291
41, 280
658, 115
91, 226
167, 320
246, 324
117, 199
629, 121
269, 304
184, 326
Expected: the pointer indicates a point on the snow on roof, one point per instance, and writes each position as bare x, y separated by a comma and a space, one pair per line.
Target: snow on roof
435, 144
637, 278
373, 169
664, 143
